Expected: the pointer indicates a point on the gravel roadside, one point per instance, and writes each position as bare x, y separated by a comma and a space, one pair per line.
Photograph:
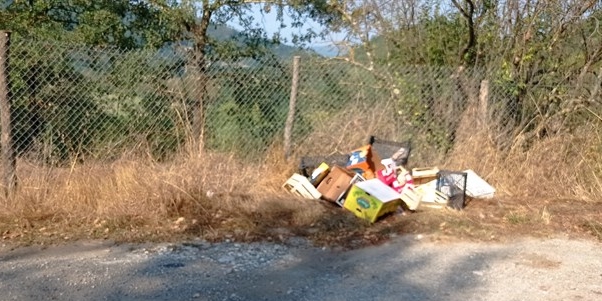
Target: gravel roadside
406, 268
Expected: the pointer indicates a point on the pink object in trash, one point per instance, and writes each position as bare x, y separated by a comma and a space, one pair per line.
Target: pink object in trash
403, 181
387, 177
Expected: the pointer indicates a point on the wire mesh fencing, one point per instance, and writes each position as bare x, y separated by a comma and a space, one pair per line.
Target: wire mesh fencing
79, 102
73, 102
354, 101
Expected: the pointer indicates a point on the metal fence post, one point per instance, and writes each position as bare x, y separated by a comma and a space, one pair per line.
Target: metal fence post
9, 161
290, 119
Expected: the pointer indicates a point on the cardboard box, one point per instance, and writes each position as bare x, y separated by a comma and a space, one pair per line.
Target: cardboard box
424, 174
300, 186
319, 174
387, 178
365, 161
335, 184
372, 199
356, 179
404, 180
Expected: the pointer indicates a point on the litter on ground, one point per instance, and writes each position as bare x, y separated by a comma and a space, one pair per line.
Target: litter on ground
374, 180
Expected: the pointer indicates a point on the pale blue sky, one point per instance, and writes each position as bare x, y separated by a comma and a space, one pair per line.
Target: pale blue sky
268, 22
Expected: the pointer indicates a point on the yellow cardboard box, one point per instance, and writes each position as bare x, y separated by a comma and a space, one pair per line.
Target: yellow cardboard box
372, 199
319, 174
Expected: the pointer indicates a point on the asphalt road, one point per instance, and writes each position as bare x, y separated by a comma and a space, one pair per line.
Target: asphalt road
407, 268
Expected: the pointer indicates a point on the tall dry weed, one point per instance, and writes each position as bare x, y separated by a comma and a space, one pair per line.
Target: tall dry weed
348, 129
564, 165
192, 193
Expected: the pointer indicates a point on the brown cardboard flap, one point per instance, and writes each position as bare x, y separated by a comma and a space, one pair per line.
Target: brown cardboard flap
336, 183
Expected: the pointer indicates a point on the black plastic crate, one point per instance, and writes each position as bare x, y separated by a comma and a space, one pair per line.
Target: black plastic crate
453, 184
398, 151
309, 163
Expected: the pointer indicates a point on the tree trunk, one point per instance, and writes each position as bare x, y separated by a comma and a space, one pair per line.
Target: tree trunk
199, 72
468, 53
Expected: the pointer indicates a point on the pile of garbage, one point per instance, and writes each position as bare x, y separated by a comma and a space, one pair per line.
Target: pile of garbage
374, 180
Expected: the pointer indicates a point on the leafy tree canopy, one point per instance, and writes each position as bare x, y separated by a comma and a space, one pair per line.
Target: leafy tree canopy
152, 23
122, 23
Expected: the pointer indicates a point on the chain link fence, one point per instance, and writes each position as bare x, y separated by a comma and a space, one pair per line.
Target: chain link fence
82, 103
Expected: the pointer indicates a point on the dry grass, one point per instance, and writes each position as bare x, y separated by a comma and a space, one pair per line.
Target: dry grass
553, 188
566, 165
213, 197
349, 129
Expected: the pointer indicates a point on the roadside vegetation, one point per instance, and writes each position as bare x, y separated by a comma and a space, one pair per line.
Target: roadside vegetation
152, 120
134, 200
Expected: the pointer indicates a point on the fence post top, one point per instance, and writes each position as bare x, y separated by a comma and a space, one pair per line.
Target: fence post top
5, 34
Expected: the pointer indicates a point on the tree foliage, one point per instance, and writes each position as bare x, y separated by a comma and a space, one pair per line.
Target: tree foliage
544, 56
121, 23
78, 95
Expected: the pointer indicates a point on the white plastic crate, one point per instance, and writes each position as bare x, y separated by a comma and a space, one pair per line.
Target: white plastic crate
300, 185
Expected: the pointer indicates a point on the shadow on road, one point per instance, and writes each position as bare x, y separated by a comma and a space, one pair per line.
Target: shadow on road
403, 269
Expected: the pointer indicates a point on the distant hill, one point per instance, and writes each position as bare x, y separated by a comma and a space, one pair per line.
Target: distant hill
223, 33
328, 50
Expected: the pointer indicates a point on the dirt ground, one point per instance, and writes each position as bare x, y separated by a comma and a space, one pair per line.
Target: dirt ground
485, 220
